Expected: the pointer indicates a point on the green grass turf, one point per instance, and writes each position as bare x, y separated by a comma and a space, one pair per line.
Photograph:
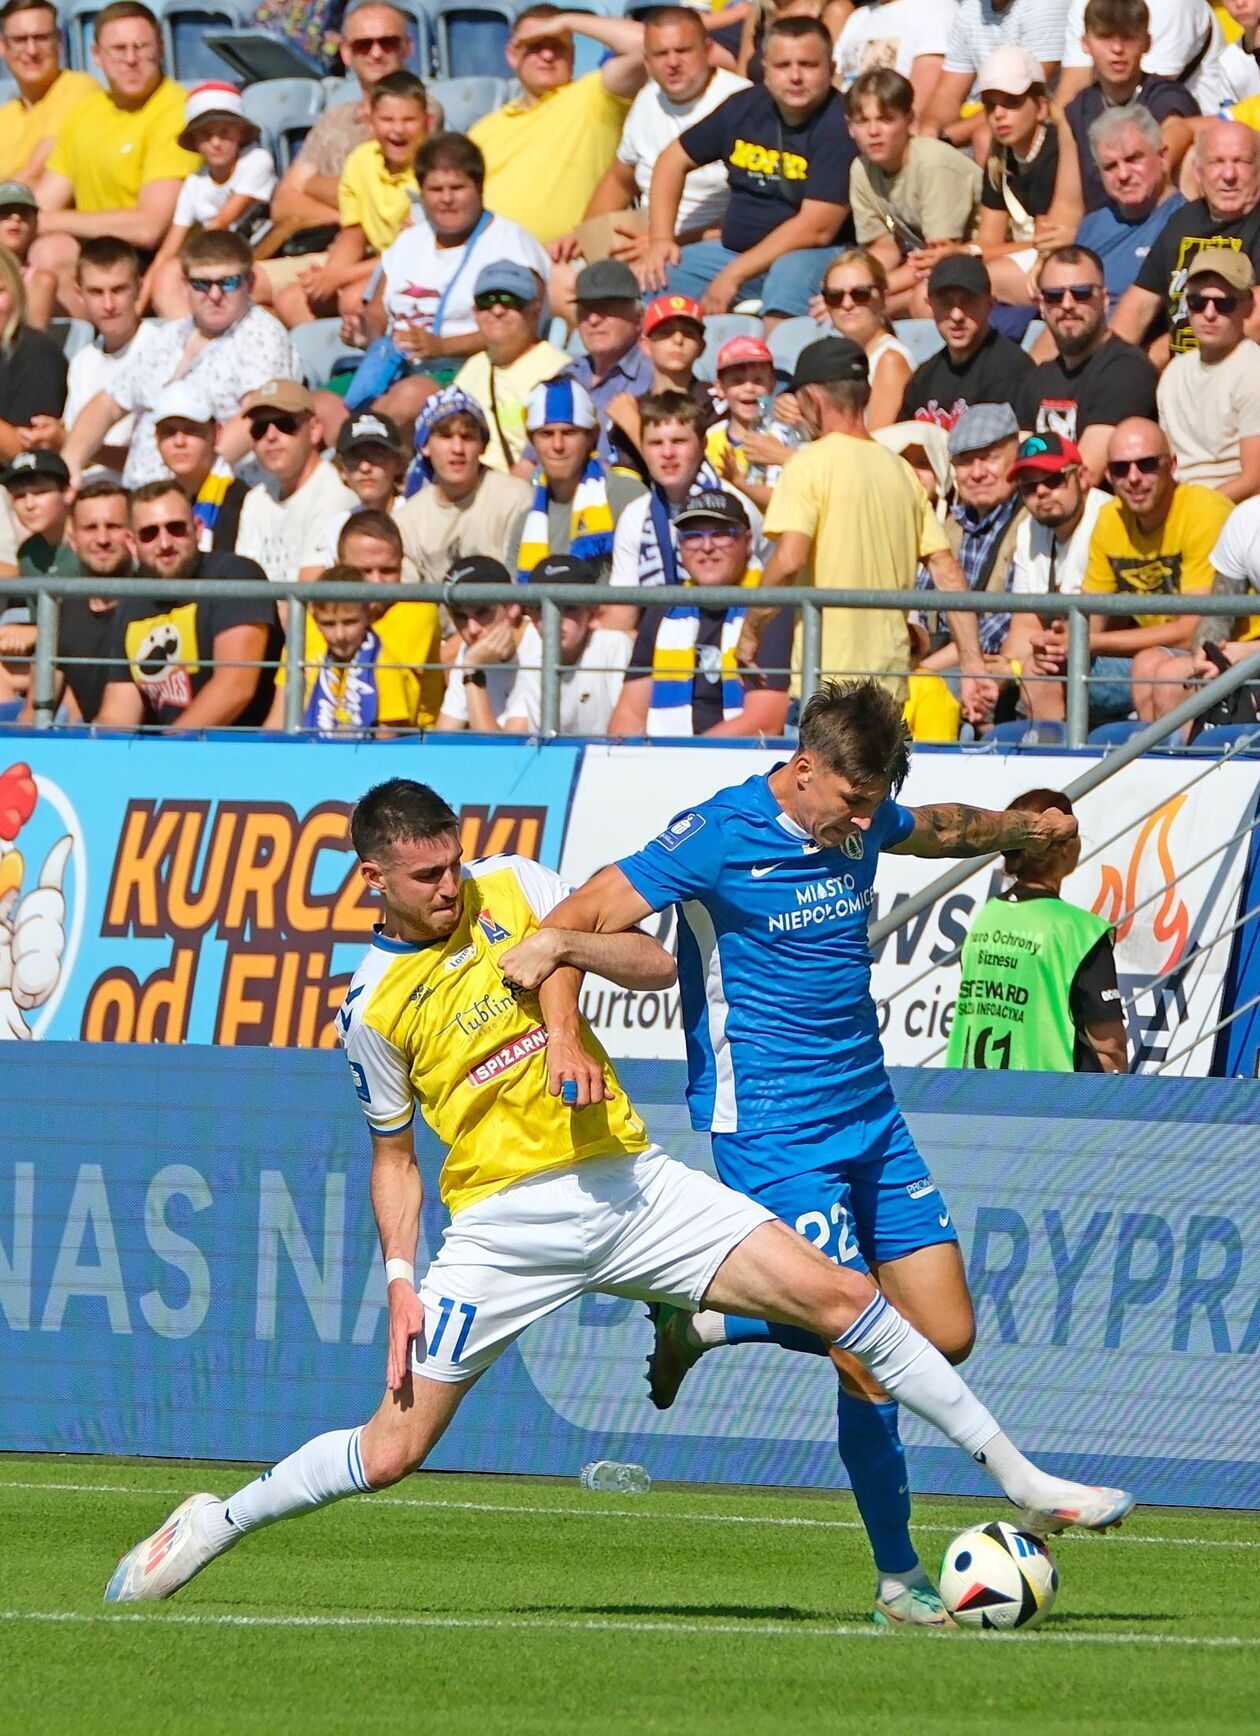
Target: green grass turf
477, 1605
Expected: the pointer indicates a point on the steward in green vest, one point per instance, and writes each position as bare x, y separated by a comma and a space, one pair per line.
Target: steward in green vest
1038, 990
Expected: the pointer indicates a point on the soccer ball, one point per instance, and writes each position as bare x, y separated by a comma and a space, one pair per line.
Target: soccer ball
997, 1576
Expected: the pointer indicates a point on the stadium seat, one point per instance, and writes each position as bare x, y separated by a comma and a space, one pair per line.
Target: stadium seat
1035, 329
338, 90
465, 100
587, 52
1114, 734
719, 329
1244, 738
920, 337
10, 710
789, 338
80, 25
321, 347
1022, 733
190, 59
72, 334
422, 62
471, 36
285, 109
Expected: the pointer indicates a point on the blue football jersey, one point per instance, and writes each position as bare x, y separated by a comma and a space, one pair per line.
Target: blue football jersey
774, 965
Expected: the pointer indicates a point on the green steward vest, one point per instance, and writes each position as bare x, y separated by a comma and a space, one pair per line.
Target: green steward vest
1018, 962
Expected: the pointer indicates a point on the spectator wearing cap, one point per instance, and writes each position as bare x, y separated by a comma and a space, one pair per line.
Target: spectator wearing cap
47, 95
546, 151
108, 279
977, 365
235, 181
609, 323
986, 517
508, 302
227, 346
456, 504
1051, 553
39, 493
980, 27
673, 337
1209, 397
485, 666
576, 503
682, 88
117, 166
19, 220
684, 678
424, 300
855, 295
372, 462
788, 153
849, 513
1095, 379
186, 432
911, 196
284, 522
592, 660
32, 370
1128, 151
746, 446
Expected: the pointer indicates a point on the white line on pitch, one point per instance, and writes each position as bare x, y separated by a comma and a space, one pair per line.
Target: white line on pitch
662, 1516
551, 1624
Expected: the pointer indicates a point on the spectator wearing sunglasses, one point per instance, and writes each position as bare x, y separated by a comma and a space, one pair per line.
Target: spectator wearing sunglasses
285, 520
227, 347
1154, 539
507, 299
196, 661
1095, 379
1209, 397
854, 294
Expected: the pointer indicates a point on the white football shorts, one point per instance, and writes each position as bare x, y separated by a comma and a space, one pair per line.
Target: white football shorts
644, 1226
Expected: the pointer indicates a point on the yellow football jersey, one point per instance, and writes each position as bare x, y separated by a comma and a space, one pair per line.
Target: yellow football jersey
435, 1026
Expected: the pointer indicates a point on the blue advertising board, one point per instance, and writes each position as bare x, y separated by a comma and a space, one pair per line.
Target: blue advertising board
188, 1266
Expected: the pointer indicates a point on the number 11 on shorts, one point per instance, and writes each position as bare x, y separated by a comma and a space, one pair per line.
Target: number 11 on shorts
468, 1313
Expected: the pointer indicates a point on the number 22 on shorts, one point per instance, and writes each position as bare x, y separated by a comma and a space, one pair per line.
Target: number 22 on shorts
467, 1312
816, 1228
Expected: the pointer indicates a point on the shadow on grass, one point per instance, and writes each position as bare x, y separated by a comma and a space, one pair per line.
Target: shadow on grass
1110, 1618
692, 1611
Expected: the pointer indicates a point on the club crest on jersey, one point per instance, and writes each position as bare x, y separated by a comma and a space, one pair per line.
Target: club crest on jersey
679, 830
853, 846
491, 929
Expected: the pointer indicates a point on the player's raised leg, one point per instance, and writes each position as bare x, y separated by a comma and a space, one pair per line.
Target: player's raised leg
777, 1275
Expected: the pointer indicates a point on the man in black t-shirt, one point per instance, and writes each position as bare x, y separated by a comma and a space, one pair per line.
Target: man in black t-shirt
187, 662
1096, 380
787, 152
1227, 157
978, 365
683, 678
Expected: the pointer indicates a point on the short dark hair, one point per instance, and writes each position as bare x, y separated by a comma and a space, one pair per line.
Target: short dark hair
453, 151
1033, 802
850, 395
797, 26
117, 10
104, 488
12, 6
856, 728
403, 83
104, 251
374, 523
678, 16
215, 247
540, 11
398, 811
1129, 18
158, 490
1072, 253
893, 93
658, 407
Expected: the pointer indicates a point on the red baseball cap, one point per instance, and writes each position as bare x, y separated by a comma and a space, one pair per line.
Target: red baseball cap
744, 349
671, 307
1044, 455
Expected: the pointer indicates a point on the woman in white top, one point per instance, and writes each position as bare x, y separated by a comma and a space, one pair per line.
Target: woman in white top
854, 293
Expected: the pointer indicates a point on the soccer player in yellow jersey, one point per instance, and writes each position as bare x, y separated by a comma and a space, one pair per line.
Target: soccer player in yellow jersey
467, 1007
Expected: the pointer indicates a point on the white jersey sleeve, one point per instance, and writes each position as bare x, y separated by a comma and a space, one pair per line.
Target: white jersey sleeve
379, 1071
543, 887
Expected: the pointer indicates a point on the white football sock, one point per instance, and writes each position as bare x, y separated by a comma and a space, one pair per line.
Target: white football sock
325, 1469
890, 1586
706, 1329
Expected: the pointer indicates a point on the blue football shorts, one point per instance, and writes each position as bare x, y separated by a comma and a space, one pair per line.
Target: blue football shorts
860, 1191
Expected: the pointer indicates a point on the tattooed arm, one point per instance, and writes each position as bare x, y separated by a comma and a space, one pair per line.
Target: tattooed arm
949, 829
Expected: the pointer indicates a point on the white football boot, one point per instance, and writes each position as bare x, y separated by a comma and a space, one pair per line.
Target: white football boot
1083, 1505
160, 1564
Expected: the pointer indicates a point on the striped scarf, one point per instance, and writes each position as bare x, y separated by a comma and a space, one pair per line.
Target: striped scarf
590, 522
676, 661
658, 566
209, 502
343, 696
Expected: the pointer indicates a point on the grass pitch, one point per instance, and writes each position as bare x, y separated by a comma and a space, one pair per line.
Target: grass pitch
481, 1605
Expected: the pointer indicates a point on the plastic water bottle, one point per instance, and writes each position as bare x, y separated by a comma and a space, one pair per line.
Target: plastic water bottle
609, 1477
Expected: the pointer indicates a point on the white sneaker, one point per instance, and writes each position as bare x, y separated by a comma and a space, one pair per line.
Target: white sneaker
1093, 1509
160, 1564
913, 1606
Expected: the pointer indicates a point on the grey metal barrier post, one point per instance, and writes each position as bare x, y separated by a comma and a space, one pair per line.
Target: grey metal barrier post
43, 673
295, 667
811, 648
549, 723
1077, 697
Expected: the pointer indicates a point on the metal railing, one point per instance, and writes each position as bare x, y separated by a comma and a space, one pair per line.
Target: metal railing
551, 600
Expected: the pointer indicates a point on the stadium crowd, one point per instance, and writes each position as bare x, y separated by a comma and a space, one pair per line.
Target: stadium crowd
945, 294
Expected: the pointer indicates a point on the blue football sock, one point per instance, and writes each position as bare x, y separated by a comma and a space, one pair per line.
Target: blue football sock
872, 1454
742, 1331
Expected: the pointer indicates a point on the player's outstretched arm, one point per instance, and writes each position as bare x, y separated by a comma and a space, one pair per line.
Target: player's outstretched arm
593, 930
950, 829
397, 1195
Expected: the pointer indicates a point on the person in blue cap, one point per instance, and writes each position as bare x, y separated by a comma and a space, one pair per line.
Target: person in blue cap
508, 301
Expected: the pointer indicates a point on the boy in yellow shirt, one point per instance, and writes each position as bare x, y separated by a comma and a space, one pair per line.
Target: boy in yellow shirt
355, 689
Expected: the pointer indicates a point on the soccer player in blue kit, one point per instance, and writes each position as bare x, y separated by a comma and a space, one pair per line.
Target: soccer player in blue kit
773, 884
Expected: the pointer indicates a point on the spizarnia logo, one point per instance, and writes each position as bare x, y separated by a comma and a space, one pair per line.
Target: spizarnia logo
510, 1055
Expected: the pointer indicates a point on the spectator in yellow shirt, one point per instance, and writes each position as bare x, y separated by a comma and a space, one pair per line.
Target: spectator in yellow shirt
507, 299
30, 46
375, 195
117, 166
547, 151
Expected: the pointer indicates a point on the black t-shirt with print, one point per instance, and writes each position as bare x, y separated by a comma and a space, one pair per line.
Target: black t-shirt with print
168, 645
1116, 381
1161, 97
1032, 182
772, 167
1163, 272
775, 654
84, 635
940, 389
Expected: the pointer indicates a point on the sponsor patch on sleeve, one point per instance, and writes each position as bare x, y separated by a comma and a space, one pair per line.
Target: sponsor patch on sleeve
679, 830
